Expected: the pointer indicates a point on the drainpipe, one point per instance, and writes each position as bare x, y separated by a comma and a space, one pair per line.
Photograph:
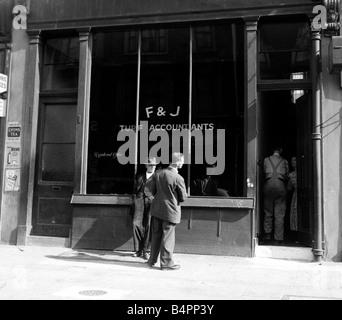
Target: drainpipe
317, 145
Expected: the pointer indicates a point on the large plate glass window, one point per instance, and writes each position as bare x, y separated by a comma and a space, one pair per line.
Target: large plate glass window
169, 83
164, 98
112, 109
218, 110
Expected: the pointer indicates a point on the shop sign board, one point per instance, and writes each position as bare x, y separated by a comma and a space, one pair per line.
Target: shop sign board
3, 83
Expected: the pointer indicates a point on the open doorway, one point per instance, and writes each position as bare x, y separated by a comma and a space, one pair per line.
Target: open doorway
285, 119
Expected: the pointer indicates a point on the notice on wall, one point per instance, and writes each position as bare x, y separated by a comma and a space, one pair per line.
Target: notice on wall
3, 83
13, 155
14, 131
12, 180
12, 159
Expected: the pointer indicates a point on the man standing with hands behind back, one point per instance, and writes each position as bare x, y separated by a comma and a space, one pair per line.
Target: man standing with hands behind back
170, 191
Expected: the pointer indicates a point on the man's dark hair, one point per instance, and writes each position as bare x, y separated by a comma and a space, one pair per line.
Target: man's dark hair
277, 148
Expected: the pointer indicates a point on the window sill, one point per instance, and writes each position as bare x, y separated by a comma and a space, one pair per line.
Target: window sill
119, 200
195, 202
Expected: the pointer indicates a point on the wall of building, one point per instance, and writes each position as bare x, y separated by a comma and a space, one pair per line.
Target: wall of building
11, 200
54, 14
332, 157
5, 38
76, 13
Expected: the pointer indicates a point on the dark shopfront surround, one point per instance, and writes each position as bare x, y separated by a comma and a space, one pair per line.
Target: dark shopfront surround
177, 77
205, 68
195, 71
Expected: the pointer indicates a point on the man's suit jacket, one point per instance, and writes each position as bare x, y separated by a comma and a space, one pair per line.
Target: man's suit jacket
169, 192
138, 186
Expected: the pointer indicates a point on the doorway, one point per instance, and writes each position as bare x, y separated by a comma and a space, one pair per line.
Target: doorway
285, 118
54, 180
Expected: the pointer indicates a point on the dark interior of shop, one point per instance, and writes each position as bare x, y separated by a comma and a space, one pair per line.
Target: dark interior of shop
281, 123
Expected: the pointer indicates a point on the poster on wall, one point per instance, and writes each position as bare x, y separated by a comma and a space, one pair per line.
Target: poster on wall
14, 131
13, 155
12, 180
3, 83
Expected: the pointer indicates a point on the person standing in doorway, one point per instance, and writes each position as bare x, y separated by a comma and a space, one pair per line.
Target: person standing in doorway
292, 187
276, 170
169, 192
143, 198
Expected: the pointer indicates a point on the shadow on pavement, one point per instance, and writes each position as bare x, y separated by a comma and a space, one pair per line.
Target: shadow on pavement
100, 257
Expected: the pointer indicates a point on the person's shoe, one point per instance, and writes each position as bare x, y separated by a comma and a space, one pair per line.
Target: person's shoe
150, 264
145, 256
173, 268
137, 254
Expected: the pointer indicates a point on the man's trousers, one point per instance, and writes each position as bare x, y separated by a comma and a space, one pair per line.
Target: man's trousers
141, 224
163, 242
275, 207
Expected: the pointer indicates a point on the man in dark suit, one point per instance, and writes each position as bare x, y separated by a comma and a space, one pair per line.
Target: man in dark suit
169, 192
143, 197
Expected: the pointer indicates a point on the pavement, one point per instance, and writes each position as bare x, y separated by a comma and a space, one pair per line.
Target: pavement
44, 273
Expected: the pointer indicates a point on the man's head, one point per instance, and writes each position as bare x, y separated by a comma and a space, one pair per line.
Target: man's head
277, 149
178, 160
151, 164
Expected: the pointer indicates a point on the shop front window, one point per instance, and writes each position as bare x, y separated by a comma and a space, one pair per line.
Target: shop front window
184, 88
164, 99
113, 108
218, 104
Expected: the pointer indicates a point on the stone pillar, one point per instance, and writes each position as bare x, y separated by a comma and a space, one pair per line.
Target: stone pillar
83, 110
251, 48
30, 134
251, 112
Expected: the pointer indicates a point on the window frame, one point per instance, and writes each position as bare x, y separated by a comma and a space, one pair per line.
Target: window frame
192, 51
60, 91
275, 84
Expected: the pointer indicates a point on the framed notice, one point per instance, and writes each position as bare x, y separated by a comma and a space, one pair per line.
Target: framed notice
12, 180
